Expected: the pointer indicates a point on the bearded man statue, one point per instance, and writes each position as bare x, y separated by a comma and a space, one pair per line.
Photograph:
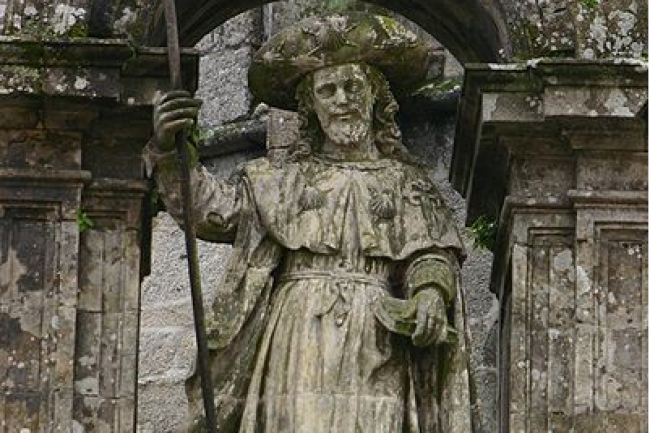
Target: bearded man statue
341, 309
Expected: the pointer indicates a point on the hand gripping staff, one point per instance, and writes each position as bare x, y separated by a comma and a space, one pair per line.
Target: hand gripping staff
189, 229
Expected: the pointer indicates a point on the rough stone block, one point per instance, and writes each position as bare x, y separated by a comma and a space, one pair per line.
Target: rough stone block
166, 354
226, 98
163, 406
240, 31
170, 265
167, 314
32, 149
611, 29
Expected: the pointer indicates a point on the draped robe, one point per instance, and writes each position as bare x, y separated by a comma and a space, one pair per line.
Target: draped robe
294, 343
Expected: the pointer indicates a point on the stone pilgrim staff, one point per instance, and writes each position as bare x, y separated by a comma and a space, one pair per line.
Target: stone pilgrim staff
341, 309
173, 51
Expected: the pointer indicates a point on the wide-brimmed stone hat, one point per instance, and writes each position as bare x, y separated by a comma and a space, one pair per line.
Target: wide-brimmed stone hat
318, 42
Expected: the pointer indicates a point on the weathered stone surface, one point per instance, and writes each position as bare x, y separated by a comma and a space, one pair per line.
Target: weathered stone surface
71, 233
431, 142
226, 55
96, 69
227, 97
473, 31
604, 95
163, 403
582, 29
612, 29
572, 239
229, 306
170, 263
76, 19
603, 31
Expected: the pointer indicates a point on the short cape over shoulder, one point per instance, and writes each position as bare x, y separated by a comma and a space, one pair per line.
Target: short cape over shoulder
299, 205
397, 208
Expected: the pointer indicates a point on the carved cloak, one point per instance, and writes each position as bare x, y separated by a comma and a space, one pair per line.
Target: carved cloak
273, 211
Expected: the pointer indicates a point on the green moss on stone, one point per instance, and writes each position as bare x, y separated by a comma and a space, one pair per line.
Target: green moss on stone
83, 221
339, 5
591, 4
438, 88
34, 27
531, 35
484, 230
34, 52
78, 30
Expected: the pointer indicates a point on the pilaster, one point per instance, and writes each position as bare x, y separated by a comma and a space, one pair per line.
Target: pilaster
556, 152
74, 231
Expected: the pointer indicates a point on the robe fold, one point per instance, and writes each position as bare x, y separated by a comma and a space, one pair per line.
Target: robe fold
294, 344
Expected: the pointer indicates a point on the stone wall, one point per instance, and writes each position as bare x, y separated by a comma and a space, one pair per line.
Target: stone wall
542, 112
167, 340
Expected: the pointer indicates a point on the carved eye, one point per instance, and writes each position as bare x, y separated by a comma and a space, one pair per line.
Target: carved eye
326, 90
353, 86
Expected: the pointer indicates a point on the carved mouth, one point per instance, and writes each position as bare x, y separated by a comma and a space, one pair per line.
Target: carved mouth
344, 116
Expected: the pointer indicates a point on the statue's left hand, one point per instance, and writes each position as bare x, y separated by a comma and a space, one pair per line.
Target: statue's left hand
431, 317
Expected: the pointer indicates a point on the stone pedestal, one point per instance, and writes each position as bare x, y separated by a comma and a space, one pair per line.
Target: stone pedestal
556, 152
74, 117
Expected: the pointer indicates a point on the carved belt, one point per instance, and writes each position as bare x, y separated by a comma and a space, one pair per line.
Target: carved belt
336, 277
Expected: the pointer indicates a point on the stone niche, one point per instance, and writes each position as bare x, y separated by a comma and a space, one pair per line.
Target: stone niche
556, 152
74, 117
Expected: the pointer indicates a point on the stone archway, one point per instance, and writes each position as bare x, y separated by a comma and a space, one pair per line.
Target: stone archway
566, 136
473, 30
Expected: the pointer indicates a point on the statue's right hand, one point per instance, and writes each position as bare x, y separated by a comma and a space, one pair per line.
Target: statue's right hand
173, 112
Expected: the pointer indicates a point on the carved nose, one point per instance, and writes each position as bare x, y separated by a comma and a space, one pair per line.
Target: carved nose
340, 97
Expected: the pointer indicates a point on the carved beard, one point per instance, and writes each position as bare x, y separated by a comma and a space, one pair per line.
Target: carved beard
346, 132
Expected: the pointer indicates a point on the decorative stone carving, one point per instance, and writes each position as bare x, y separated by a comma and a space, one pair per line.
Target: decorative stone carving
564, 147
73, 199
341, 308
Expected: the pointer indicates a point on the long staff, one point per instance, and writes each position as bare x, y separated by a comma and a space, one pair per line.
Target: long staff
190, 234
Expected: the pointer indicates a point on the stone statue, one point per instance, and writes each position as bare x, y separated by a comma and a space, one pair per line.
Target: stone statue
340, 310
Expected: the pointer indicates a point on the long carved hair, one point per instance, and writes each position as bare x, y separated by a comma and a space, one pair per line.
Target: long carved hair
387, 135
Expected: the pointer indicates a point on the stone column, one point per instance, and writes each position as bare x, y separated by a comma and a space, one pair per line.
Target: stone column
74, 116
556, 151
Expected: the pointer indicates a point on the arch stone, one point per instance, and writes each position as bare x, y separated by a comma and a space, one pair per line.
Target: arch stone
554, 150
473, 30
